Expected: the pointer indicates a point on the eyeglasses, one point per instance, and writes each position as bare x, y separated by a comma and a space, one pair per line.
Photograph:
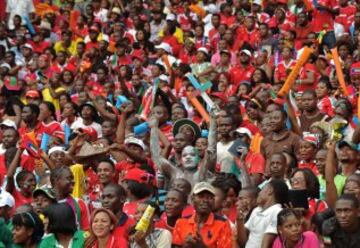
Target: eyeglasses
296, 180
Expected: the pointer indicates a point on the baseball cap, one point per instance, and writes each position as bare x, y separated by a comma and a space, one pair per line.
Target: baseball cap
8, 123
352, 145
27, 45
163, 77
46, 190
244, 130
6, 199
204, 50
135, 141
32, 94
139, 176
170, 17
247, 52
203, 186
164, 46
116, 10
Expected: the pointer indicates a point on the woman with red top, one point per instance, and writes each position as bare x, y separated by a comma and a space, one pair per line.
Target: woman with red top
285, 66
307, 151
103, 223
305, 179
325, 101
24, 179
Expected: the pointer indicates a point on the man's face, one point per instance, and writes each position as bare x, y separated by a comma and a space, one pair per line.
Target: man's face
41, 202
58, 158
346, 214
65, 183
225, 126
277, 166
10, 138
246, 200
107, 129
215, 20
160, 113
244, 58
204, 202
320, 158
347, 154
189, 157
276, 121
179, 142
309, 102
263, 30
110, 200
105, 172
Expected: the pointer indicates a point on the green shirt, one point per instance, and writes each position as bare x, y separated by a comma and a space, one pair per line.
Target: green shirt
5, 234
50, 241
339, 181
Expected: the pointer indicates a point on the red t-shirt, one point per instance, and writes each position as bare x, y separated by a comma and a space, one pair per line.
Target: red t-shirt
20, 199
239, 73
323, 20
123, 226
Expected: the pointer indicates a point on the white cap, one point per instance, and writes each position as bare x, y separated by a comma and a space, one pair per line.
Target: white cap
247, 52
105, 37
203, 186
27, 45
135, 141
8, 123
6, 199
163, 77
204, 50
116, 10
170, 17
45, 25
211, 8
258, 2
164, 46
56, 149
244, 130
6, 65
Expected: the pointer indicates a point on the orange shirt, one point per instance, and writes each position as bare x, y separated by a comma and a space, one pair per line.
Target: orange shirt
215, 233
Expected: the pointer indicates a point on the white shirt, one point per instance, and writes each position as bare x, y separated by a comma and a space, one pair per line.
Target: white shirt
18, 7
80, 124
261, 222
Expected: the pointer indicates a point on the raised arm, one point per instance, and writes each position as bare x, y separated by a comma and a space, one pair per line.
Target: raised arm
330, 172
10, 186
163, 164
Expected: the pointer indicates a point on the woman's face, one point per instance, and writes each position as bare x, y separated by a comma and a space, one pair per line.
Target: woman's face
352, 187
286, 53
139, 211
44, 112
140, 35
253, 113
298, 181
200, 57
307, 150
21, 234
243, 90
257, 76
58, 158
62, 101
230, 198
223, 85
291, 229
101, 225
321, 90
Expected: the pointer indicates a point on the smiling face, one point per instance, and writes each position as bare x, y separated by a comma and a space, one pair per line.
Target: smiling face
101, 225
189, 157
105, 172
174, 203
203, 202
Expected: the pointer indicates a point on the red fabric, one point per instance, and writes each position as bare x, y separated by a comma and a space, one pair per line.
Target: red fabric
323, 20
239, 73
114, 241
20, 199
255, 163
122, 229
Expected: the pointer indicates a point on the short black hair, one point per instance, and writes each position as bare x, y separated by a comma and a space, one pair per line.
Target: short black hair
350, 197
107, 160
226, 181
30, 220
280, 190
119, 190
61, 219
21, 176
139, 190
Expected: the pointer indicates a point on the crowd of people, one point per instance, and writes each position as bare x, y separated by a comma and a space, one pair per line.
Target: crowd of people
179, 123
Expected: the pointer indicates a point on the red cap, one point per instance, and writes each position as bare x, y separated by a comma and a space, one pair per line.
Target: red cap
220, 95
138, 54
93, 135
139, 176
32, 94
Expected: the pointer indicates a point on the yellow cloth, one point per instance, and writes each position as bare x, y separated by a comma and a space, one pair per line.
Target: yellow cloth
70, 50
47, 97
79, 179
179, 35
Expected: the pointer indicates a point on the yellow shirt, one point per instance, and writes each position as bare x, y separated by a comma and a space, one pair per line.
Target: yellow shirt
79, 179
47, 97
179, 35
71, 49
